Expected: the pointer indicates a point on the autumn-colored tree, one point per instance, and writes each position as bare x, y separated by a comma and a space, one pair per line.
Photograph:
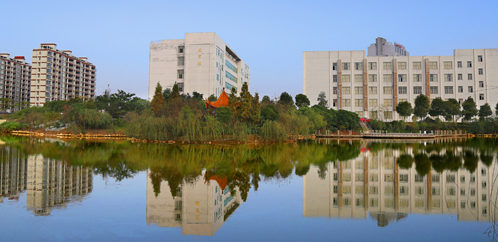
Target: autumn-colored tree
157, 102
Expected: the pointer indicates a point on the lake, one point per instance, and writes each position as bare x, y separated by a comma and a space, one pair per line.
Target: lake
322, 190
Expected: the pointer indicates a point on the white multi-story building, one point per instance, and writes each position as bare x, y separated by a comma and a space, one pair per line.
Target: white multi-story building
58, 75
373, 86
202, 62
382, 47
15, 78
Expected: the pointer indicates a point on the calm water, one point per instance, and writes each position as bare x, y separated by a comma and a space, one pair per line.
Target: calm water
54, 190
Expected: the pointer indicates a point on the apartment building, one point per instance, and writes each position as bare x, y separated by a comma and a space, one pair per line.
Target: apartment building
372, 86
374, 184
382, 47
15, 80
59, 75
202, 62
13, 173
200, 208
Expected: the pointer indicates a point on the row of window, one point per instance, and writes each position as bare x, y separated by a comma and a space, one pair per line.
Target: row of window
417, 65
403, 90
402, 77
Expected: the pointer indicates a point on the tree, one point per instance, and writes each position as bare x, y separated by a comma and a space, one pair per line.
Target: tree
404, 109
255, 109
233, 102
175, 93
197, 96
269, 112
285, 99
485, 111
166, 94
157, 102
451, 109
266, 100
302, 100
322, 100
212, 98
245, 102
496, 109
422, 106
469, 109
437, 107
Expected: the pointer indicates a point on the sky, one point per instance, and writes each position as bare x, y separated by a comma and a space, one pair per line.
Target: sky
270, 36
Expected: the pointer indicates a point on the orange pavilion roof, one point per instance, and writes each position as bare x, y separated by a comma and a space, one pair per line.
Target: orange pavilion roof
221, 102
222, 182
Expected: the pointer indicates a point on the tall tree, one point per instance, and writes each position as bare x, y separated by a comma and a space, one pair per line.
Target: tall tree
451, 109
496, 109
322, 100
437, 107
255, 109
285, 99
166, 94
245, 102
157, 102
469, 109
422, 106
175, 93
266, 100
233, 102
404, 109
485, 111
302, 100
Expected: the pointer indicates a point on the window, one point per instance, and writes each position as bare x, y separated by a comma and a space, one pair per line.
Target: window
448, 77
481, 96
433, 90
372, 102
469, 64
358, 78
402, 100
387, 66
483, 184
372, 90
374, 190
417, 65
402, 90
460, 101
433, 77
417, 90
459, 64
346, 102
181, 49
179, 74
334, 90
372, 77
388, 102
435, 178
334, 66
471, 89
388, 114
417, 77
448, 90
358, 102
388, 77
334, 102
358, 65
481, 84
469, 76
358, 90
433, 65
372, 114
448, 65
460, 77
345, 66
403, 178
346, 90
346, 78
334, 78
372, 65
402, 78
181, 60
402, 65
479, 58
388, 90
460, 89
481, 71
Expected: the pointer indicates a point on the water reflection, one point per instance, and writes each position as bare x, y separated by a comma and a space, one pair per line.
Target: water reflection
391, 184
49, 184
199, 207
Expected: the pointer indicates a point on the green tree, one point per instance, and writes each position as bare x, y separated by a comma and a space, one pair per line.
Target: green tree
233, 102
496, 109
469, 109
437, 107
166, 94
404, 109
302, 101
485, 111
269, 112
197, 96
175, 93
285, 99
322, 100
266, 100
245, 102
422, 106
157, 102
212, 98
451, 109
255, 109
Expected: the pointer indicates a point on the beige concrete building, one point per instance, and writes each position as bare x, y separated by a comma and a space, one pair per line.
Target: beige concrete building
202, 62
372, 86
52, 184
13, 173
15, 80
199, 208
374, 184
58, 75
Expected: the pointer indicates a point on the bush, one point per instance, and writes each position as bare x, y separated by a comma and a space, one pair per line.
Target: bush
9, 126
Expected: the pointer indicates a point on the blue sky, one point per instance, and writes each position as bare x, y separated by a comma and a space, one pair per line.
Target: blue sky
269, 35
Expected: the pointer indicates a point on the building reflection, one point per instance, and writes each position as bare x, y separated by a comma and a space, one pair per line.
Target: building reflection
49, 184
374, 184
199, 208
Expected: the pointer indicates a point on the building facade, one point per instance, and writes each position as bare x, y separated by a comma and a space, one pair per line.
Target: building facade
382, 47
15, 80
58, 75
202, 62
373, 86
